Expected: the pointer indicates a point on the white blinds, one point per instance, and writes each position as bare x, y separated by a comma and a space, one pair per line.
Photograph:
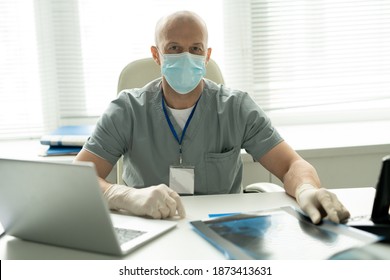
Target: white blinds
302, 54
19, 77
114, 33
41, 71
60, 60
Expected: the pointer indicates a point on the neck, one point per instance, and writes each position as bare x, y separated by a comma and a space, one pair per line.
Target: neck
181, 101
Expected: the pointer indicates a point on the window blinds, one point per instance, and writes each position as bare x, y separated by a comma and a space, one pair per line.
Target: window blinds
19, 78
60, 60
309, 54
114, 33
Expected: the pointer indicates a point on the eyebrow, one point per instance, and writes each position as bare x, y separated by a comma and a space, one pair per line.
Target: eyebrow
176, 43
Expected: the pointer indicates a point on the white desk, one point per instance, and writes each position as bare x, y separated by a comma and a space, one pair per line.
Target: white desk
182, 242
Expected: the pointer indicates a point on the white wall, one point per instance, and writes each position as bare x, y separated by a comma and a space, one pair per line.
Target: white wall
343, 165
340, 168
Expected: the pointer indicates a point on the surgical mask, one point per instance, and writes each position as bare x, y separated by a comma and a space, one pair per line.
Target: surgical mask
183, 71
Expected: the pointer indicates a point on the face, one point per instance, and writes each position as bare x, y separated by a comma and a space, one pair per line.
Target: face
181, 35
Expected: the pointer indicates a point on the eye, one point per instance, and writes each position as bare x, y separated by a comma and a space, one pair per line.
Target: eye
196, 50
174, 49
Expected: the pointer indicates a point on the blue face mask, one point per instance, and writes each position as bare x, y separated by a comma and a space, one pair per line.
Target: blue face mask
183, 71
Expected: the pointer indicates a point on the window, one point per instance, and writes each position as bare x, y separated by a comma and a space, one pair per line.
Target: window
20, 91
311, 61
301, 60
60, 60
113, 33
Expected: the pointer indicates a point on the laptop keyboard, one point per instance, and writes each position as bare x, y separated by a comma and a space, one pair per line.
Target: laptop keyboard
124, 234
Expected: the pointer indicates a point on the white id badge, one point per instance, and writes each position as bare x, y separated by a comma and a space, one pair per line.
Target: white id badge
182, 179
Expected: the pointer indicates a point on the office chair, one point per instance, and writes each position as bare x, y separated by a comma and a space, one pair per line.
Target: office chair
138, 73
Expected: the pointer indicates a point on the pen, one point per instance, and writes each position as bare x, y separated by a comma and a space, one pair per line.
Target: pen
215, 215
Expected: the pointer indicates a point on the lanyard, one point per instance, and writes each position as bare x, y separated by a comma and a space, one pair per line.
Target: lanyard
173, 129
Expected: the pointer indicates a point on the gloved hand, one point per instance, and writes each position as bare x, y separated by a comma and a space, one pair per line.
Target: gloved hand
157, 202
319, 203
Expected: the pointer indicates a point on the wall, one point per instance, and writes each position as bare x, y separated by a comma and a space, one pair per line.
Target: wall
342, 167
353, 159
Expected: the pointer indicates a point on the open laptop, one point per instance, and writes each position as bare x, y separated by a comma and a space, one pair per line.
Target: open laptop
61, 204
379, 221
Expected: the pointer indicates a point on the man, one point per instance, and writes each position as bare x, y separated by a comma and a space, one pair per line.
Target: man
185, 132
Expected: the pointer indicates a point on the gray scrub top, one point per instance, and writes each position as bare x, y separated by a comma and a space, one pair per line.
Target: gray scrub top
224, 122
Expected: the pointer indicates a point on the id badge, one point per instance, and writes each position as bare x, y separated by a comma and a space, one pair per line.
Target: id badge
182, 179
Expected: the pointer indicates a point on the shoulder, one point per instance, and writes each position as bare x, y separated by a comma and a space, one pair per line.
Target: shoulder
138, 99
226, 96
147, 91
135, 100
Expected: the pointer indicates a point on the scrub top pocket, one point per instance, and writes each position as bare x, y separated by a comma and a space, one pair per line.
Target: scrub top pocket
222, 171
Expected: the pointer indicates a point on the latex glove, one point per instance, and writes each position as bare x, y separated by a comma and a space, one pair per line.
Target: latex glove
157, 202
318, 203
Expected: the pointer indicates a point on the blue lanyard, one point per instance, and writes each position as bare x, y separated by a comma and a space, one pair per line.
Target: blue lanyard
173, 129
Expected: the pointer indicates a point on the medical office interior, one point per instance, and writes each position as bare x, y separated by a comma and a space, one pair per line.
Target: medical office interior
319, 69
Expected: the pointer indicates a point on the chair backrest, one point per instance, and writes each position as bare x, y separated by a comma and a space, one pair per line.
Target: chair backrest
138, 73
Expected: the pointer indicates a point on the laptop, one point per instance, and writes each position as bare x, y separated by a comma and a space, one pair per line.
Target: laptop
379, 221
61, 204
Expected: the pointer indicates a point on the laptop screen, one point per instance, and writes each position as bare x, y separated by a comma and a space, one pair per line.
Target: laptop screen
380, 210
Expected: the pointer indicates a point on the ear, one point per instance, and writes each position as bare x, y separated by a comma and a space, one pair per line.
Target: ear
208, 54
155, 55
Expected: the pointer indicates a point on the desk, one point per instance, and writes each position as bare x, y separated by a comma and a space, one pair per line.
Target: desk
182, 242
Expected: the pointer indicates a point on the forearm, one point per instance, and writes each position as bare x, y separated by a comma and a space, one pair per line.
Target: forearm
104, 185
301, 181
283, 162
103, 167
300, 172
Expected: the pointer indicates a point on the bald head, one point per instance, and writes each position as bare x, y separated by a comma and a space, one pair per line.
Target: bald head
186, 24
